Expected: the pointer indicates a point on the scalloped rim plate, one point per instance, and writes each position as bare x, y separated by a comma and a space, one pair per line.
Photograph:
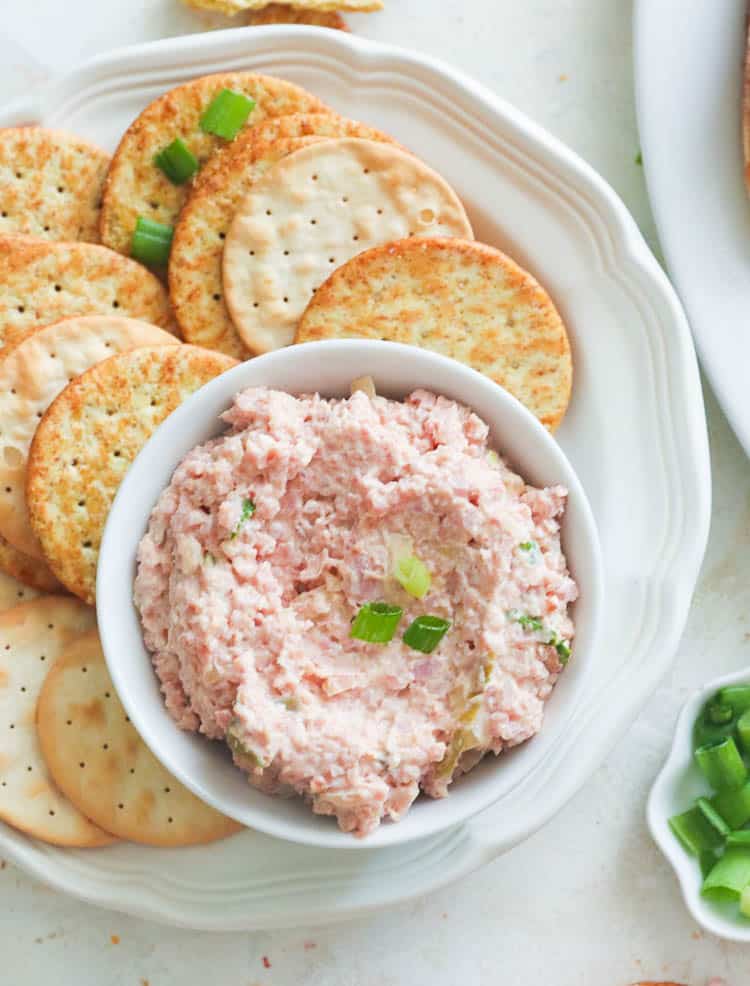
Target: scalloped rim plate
678, 784
635, 433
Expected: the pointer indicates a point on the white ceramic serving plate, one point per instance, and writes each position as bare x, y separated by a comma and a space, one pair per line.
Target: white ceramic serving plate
329, 368
675, 789
635, 434
689, 69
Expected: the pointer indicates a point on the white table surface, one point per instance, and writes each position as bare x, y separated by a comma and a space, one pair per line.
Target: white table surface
588, 901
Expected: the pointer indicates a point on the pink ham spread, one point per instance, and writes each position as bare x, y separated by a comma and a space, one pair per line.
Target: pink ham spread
270, 540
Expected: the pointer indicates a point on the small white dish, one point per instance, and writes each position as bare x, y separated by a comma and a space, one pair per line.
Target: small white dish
329, 368
675, 789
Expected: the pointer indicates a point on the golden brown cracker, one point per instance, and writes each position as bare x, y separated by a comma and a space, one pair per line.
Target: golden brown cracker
135, 186
462, 299
42, 282
87, 439
32, 374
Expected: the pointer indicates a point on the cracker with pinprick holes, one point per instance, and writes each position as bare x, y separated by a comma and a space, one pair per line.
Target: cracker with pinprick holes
314, 210
42, 282
87, 439
32, 374
51, 184
135, 186
32, 636
13, 592
30, 571
459, 298
98, 759
195, 279
279, 13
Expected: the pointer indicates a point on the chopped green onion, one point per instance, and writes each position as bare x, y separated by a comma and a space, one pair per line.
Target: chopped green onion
730, 876
718, 714
735, 696
493, 458
741, 838
236, 745
177, 162
425, 633
707, 861
563, 649
208, 558
248, 509
376, 623
745, 902
227, 114
639, 158
527, 545
526, 621
413, 575
151, 242
734, 806
743, 730
722, 765
713, 817
695, 832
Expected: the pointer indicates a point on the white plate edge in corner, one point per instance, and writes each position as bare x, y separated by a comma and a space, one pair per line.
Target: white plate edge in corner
476, 843
672, 159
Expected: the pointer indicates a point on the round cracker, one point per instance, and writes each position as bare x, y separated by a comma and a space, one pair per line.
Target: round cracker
42, 282
279, 13
13, 592
232, 7
314, 210
87, 439
97, 758
460, 298
30, 571
136, 187
32, 635
51, 184
32, 373
195, 276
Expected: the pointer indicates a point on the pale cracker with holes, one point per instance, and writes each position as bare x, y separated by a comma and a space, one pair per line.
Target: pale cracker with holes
32, 373
195, 277
32, 635
30, 571
136, 187
313, 211
51, 184
98, 759
13, 592
42, 282
195, 284
87, 439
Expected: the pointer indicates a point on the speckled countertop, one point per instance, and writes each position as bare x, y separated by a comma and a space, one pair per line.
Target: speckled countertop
588, 901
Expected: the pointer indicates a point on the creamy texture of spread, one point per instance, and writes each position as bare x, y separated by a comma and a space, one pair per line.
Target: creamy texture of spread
269, 540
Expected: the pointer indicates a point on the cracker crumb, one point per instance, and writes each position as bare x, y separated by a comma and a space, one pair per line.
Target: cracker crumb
145, 982
115, 939
309, 945
3, 864
562, 77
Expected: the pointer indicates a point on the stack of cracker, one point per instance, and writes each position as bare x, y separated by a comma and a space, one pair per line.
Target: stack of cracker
238, 214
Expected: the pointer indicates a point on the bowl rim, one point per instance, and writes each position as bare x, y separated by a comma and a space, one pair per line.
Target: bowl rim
110, 594
679, 761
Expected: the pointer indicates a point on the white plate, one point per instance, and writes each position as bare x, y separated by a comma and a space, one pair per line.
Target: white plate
689, 62
635, 434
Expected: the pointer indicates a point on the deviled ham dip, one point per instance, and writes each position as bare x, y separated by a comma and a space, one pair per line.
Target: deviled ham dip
358, 596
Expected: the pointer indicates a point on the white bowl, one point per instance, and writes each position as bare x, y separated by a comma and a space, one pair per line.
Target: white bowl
675, 789
328, 367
